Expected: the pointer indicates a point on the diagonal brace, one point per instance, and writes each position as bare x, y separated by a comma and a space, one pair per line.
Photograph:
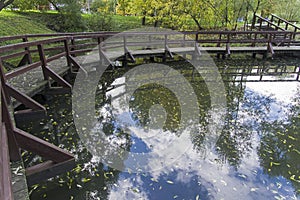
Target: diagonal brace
50, 73
41, 147
23, 98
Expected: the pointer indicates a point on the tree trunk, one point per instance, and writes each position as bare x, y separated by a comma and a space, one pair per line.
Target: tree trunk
254, 13
5, 3
198, 23
54, 5
144, 20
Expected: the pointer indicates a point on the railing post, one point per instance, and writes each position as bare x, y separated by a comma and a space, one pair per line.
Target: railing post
67, 50
99, 40
279, 21
255, 38
43, 60
295, 30
272, 18
3, 82
270, 46
220, 38
73, 46
166, 47
27, 50
286, 26
125, 51
228, 44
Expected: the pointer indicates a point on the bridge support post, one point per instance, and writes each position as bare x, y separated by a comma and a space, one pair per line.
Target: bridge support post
49, 73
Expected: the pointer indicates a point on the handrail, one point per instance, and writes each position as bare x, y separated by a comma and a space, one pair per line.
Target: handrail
29, 44
208, 37
270, 23
285, 21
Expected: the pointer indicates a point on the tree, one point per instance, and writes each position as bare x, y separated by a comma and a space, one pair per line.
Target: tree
5, 3
288, 9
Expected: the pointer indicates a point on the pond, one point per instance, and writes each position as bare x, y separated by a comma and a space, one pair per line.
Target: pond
256, 154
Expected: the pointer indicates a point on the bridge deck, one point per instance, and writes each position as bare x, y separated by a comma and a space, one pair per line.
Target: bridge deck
277, 49
32, 82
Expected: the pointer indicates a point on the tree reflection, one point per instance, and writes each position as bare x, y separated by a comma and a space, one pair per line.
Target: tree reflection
279, 150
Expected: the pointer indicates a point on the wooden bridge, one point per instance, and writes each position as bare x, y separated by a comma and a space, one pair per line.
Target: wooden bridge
31, 63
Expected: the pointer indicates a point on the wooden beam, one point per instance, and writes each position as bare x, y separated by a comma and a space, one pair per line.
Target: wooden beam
77, 65
270, 48
168, 52
6, 119
50, 73
38, 146
23, 98
47, 169
129, 54
197, 49
6, 192
104, 57
228, 49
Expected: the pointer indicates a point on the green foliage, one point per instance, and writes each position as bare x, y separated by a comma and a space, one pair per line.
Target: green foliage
104, 6
72, 20
30, 4
123, 23
99, 22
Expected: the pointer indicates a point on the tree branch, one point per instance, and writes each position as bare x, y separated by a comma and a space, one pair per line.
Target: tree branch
5, 3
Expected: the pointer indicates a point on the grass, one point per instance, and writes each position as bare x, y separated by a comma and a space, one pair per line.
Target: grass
123, 23
22, 22
13, 23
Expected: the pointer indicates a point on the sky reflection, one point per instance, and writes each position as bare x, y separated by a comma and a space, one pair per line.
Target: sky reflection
203, 174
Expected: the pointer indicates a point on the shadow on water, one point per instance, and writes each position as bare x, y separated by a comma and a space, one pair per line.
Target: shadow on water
256, 156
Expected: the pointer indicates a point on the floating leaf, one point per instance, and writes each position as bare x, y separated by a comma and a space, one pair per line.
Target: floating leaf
254, 189
85, 180
136, 190
154, 180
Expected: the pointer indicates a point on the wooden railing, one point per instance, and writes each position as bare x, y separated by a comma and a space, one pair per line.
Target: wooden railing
33, 51
269, 23
5, 173
287, 24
